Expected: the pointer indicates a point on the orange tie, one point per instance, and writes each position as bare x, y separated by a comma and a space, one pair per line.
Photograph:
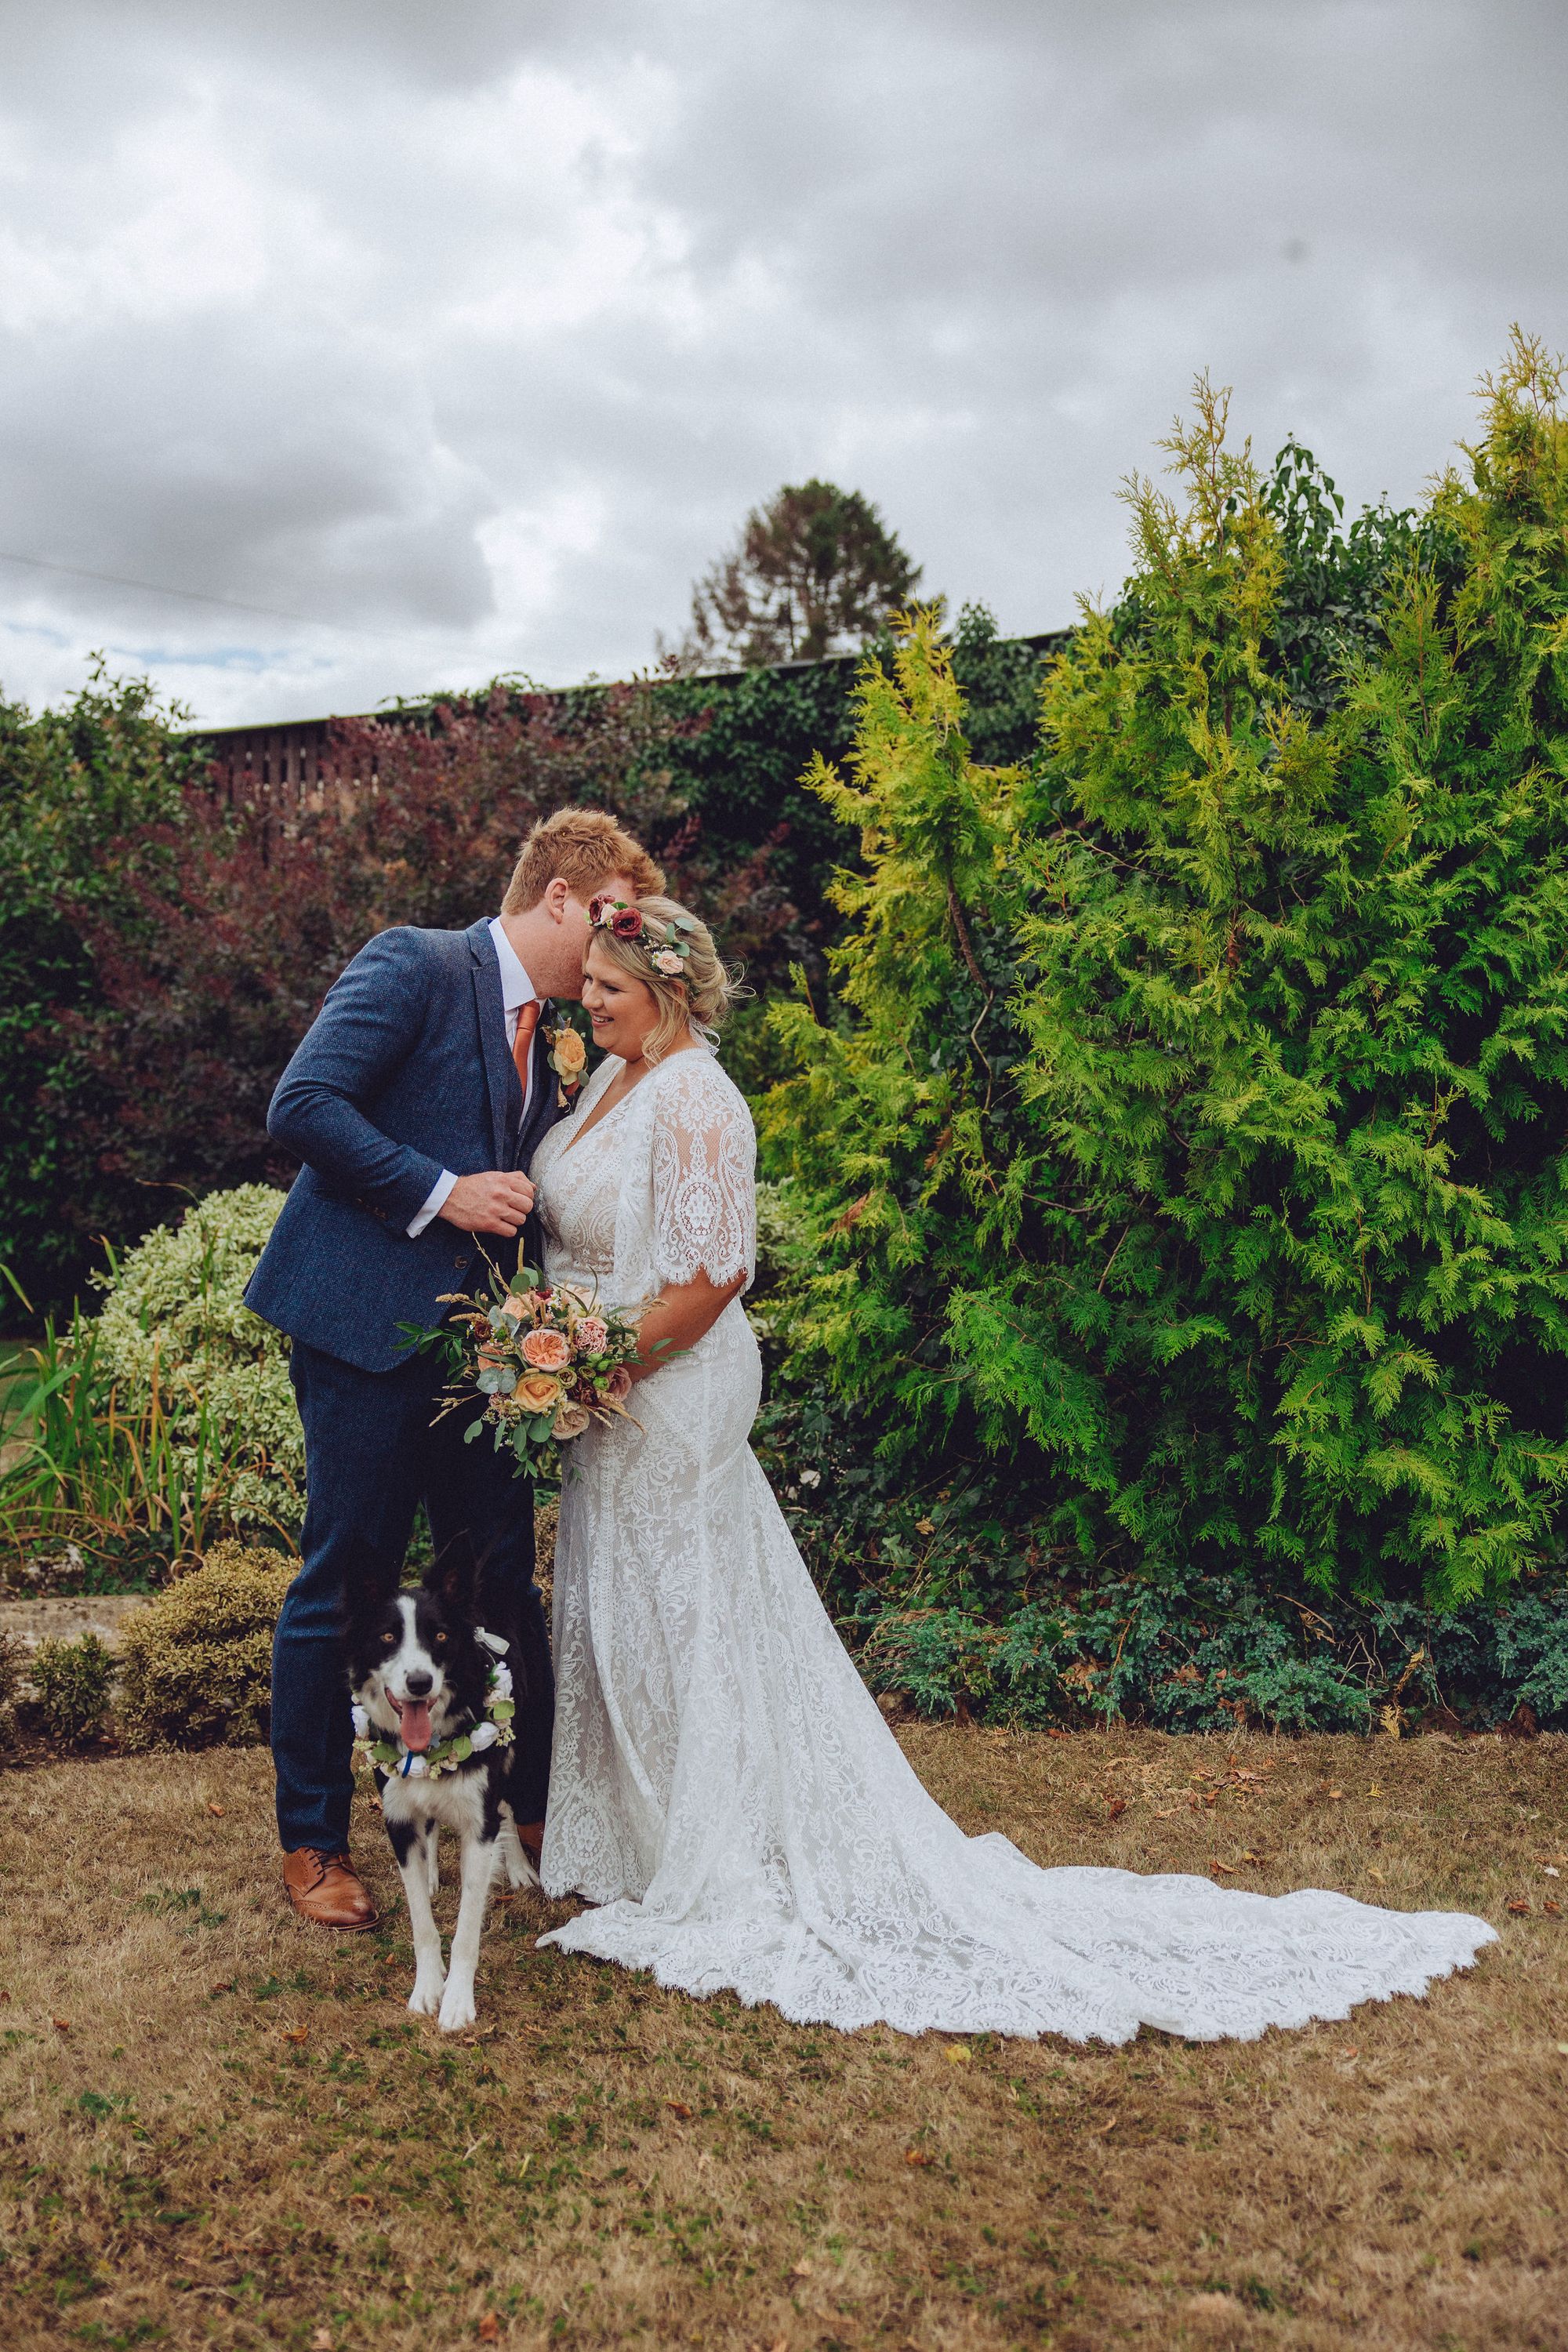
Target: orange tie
522, 1043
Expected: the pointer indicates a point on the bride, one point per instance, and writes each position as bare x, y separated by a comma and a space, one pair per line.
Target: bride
723, 1789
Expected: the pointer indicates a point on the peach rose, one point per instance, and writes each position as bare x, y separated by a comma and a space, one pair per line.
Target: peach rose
571, 1421
591, 1336
537, 1392
618, 1385
545, 1350
517, 1307
570, 1054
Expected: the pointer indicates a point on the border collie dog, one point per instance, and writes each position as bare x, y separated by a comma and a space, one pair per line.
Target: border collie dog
432, 1691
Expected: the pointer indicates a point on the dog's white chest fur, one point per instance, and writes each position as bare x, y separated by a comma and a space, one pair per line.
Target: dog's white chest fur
453, 1800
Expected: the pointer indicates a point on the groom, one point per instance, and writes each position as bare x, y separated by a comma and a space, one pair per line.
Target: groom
415, 1101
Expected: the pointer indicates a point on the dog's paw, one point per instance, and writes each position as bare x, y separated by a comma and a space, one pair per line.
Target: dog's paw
457, 2007
520, 1869
426, 1999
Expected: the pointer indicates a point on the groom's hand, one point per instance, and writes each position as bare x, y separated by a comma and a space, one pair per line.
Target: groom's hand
491, 1203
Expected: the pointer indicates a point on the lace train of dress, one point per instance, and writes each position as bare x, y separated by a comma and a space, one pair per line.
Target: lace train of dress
723, 1786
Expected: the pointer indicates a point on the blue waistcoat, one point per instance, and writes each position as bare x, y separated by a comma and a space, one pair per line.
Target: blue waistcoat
404, 1072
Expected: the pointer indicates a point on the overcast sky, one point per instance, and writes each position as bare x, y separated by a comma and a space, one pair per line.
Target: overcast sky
462, 333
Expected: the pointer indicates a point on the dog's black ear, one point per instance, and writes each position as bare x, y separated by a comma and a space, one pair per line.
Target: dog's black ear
453, 1574
365, 1586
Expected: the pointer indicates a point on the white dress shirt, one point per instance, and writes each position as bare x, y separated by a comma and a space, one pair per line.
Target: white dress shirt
516, 990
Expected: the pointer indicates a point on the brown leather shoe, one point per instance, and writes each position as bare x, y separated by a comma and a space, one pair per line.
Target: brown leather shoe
326, 1889
530, 1837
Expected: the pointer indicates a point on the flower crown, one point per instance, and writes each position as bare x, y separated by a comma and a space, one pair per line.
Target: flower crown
667, 946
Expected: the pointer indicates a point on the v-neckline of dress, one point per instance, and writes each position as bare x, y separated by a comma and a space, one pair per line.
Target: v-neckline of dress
602, 1118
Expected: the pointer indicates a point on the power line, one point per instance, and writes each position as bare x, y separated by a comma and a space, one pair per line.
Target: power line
194, 596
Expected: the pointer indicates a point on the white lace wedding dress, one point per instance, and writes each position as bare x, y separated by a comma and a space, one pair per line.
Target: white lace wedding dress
723, 1787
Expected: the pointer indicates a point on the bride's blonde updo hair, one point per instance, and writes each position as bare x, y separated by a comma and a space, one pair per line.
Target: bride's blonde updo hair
671, 951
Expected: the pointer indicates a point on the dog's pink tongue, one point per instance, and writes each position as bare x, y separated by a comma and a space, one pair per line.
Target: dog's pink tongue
414, 1725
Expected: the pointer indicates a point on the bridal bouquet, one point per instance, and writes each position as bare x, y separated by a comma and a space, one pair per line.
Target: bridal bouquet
548, 1361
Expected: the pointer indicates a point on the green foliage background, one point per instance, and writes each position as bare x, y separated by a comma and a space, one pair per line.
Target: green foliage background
1189, 1133
108, 762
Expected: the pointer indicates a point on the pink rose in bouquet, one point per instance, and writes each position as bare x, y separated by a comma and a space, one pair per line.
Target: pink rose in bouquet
546, 1351
591, 1336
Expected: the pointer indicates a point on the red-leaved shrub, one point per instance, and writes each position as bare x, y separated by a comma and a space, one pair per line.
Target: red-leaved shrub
248, 913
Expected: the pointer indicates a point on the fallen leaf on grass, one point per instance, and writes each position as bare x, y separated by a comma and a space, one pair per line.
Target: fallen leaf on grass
360, 2197
1256, 1860
1519, 1903
918, 2156
1164, 1812
61, 2025
1116, 1808
1553, 1910
801, 2270
218, 1812
489, 2328
1378, 1876
1226, 1867
1101, 2129
227, 1986
1548, 1871
295, 2033
322, 2340
959, 2054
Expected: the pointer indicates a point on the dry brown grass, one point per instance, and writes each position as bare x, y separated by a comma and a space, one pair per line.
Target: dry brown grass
221, 2127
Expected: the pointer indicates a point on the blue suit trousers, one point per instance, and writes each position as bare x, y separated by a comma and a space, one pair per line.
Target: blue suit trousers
372, 1457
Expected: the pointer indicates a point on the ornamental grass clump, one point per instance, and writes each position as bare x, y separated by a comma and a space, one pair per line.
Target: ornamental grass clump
197, 1660
1193, 1131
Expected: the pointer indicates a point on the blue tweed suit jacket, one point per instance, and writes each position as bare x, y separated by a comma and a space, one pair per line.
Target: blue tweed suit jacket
404, 1072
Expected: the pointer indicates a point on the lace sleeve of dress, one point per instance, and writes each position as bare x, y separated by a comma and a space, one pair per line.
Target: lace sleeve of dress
704, 1183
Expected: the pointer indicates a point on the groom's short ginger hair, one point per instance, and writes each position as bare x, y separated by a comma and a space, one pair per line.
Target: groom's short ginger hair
586, 848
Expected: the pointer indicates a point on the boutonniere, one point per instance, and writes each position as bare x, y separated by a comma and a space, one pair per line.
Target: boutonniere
568, 1057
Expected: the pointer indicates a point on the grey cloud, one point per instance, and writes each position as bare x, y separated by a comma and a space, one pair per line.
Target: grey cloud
480, 328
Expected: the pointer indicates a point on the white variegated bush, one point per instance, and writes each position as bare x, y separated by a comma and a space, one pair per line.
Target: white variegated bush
174, 1334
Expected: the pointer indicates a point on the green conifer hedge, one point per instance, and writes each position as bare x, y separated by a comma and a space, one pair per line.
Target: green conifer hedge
1191, 1129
